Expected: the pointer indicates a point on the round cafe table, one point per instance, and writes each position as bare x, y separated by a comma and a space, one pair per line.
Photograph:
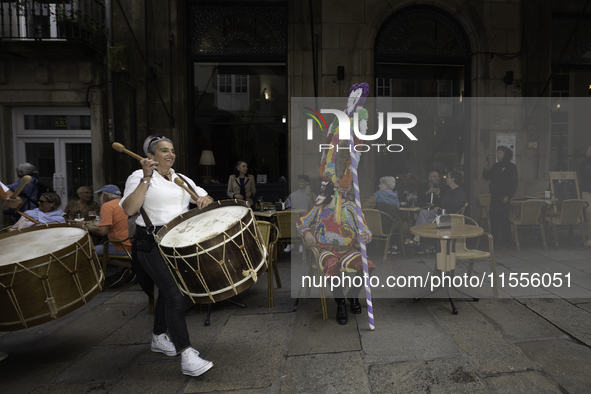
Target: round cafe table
446, 257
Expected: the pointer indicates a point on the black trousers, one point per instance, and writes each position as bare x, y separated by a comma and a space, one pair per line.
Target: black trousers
500, 226
169, 311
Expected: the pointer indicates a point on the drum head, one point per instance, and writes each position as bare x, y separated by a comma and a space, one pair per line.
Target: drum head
204, 226
42, 241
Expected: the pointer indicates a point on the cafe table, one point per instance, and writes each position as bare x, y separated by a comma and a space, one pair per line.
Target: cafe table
446, 257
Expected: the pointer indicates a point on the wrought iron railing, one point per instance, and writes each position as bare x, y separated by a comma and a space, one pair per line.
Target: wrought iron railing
82, 20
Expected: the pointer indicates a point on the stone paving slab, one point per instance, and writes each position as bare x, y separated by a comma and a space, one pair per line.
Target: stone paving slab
203, 337
248, 353
136, 331
125, 297
312, 334
565, 316
16, 379
530, 382
564, 361
326, 374
79, 336
113, 361
451, 375
484, 345
515, 321
76, 388
406, 330
160, 377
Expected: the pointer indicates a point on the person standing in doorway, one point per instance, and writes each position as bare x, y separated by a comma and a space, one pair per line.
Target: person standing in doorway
503, 184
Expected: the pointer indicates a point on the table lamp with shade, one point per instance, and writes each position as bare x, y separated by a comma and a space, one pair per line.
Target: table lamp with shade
207, 160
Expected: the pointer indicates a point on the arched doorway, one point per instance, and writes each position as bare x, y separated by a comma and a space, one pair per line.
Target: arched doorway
423, 54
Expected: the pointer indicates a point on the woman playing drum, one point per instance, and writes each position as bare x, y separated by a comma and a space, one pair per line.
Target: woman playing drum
153, 188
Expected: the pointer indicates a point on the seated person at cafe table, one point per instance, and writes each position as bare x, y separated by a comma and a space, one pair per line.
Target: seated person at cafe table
430, 193
113, 224
451, 201
337, 237
302, 199
48, 212
386, 200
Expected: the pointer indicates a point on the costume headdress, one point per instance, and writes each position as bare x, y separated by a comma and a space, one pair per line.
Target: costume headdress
335, 165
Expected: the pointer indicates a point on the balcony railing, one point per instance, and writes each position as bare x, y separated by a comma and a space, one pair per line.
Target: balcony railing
55, 20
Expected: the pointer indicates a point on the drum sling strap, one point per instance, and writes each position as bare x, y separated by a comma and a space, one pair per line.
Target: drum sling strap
149, 226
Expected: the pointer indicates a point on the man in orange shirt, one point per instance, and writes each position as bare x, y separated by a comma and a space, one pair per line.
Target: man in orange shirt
113, 224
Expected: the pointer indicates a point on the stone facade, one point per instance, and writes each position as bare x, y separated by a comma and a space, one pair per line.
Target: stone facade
510, 35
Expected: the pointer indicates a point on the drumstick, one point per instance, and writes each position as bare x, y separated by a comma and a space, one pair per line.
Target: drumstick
24, 181
180, 182
120, 148
27, 217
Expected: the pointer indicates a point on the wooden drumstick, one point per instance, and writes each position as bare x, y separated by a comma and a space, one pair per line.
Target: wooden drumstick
24, 181
28, 217
120, 148
180, 182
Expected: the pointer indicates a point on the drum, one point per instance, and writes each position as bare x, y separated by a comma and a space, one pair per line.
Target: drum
46, 272
213, 253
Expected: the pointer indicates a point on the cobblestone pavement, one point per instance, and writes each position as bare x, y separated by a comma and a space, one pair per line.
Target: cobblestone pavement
524, 341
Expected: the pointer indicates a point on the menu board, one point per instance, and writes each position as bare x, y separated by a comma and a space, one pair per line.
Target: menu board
564, 186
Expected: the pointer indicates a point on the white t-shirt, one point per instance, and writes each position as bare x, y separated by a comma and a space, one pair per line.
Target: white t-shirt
164, 199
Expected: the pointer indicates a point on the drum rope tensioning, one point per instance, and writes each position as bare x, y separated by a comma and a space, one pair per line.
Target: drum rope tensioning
214, 253
63, 278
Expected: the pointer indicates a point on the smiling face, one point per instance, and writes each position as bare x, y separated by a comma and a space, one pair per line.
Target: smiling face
164, 155
302, 184
45, 205
242, 168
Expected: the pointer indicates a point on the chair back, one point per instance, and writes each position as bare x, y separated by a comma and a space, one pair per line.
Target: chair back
373, 218
572, 212
462, 210
531, 212
269, 235
461, 219
286, 222
483, 201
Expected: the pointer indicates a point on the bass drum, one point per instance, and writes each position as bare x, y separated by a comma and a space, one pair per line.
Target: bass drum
46, 272
213, 253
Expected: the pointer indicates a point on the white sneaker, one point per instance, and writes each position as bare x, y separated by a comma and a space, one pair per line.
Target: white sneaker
287, 248
192, 364
162, 344
300, 249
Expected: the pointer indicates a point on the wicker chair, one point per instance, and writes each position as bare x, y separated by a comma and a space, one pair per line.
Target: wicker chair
286, 222
374, 218
463, 209
483, 202
530, 217
269, 235
470, 256
316, 270
571, 215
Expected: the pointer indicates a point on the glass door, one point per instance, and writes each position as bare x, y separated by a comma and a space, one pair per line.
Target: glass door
57, 142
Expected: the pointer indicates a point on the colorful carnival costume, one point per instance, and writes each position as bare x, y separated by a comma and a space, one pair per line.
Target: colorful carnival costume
338, 229
337, 242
